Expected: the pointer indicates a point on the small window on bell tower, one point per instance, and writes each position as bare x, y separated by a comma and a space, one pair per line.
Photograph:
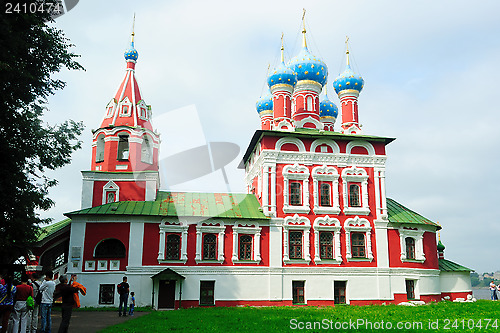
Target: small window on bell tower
110, 196
99, 156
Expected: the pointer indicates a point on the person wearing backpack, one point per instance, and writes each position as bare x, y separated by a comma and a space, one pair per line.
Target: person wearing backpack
36, 283
123, 290
21, 309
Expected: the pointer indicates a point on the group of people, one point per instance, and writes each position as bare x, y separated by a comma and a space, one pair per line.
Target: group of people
123, 290
21, 304
494, 289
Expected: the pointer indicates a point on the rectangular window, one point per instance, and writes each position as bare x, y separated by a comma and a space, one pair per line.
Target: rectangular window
298, 292
295, 242
358, 245
209, 247
173, 247
295, 194
123, 151
106, 294
326, 245
110, 196
325, 195
339, 291
410, 248
207, 293
354, 195
245, 247
410, 289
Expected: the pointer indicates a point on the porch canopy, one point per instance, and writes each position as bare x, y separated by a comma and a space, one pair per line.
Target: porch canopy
166, 275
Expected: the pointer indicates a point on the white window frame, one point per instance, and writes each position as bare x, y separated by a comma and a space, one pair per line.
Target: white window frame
102, 265
110, 108
361, 225
114, 265
100, 147
418, 235
300, 173
326, 174
168, 226
90, 265
142, 105
212, 227
296, 223
355, 175
110, 187
246, 229
124, 103
331, 224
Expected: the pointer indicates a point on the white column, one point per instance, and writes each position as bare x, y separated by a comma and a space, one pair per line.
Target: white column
135, 244
265, 190
221, 245
377, 193
198, 244
257, 246
161, 248
382, 186
235, 245
184, 243
273, 190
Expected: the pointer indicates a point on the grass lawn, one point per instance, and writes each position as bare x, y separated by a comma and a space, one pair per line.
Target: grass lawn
434, 317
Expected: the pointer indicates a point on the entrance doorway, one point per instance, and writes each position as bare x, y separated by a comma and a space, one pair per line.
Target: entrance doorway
339, 288
166, 294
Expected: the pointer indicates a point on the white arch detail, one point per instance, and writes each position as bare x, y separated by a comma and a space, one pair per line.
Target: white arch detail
358, 143
294, 141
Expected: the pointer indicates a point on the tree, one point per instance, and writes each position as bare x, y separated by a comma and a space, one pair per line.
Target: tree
32, 51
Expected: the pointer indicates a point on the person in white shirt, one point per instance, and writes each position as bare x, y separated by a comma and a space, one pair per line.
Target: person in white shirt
493, 290
36, 283
47, 289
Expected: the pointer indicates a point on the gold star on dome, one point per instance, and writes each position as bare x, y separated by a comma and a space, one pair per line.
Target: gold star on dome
312, 66
306, 72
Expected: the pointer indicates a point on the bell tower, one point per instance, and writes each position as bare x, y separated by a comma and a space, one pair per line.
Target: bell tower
124, 163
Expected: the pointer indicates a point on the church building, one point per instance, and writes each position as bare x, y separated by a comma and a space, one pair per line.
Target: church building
314, 227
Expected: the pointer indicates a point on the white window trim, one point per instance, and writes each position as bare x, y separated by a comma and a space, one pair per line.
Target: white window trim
355, 175
357, 143
110, 187
123, 103
293, 223
112, 104
319, 142
177, 227
104, 267
326, 174
212, 228
114, 265
418, 235
141, 105
150, 147
300, 145
247, 229
90, 265
357, 224
327, 223
296, 172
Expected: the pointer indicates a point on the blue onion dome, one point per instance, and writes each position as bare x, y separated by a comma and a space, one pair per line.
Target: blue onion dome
265, 103
282, 74
348, 80
328, 109
131, 53
308, 67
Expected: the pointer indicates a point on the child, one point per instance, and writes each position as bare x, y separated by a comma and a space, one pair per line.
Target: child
132, 304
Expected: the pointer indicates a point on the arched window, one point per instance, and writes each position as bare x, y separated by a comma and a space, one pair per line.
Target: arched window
295, 245
326, 245
209, 247
354, 196
245, 247
146, 151
410, 247
173, 247
325, 195
309, 103
110, 248
123, 151
295, 194
99, 155
358, 245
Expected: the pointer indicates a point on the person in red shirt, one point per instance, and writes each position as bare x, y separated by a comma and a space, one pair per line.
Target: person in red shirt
21, 311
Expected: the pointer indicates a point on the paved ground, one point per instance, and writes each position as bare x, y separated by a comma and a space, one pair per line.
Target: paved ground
91, 321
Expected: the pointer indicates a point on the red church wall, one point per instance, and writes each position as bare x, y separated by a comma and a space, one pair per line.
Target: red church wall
129, 191
96, 232
152, 239
430, 251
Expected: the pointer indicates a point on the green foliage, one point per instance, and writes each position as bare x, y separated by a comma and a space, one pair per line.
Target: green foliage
32, 53
278, 319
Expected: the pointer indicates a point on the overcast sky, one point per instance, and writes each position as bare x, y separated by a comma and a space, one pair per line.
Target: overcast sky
430, 71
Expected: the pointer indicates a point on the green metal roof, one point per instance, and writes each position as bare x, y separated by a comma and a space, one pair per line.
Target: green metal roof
224, 205
52, 228
450, 266
401, 214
